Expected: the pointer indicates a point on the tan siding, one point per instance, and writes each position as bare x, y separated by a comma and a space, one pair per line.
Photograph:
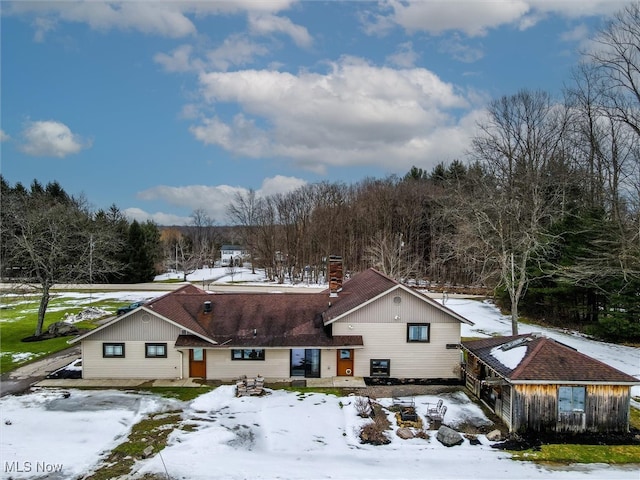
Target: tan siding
408, 360
221, 367
141, 326
133, 365
410, 309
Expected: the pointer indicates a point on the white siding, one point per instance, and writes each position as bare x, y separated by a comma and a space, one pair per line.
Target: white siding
140, 326
133, 365
385, 337
134, 331
277, 364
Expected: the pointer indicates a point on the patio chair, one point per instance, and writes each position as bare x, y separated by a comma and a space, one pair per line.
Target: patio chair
434, 410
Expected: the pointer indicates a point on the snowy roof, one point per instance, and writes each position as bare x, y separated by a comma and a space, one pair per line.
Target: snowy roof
533, 358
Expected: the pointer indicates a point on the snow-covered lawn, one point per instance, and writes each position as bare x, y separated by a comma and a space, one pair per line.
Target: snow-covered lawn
282, 435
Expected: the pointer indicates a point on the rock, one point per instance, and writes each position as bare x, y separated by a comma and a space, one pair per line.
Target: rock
473, 439
405, 433
449, 437
494, 435
63, 329
147, 452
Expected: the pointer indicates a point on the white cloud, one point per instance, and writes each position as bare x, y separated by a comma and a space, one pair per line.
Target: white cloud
170, 19
51, 139
404, 57
159, 218
4, 137
213, 199
355, 114
475, 18
235, 50
578, 34
267, 23
459, 50
179, 60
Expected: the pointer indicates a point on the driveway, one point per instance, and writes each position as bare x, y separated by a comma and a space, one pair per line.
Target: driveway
20, 379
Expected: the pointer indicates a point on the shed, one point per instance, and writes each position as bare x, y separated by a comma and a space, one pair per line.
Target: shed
537, 384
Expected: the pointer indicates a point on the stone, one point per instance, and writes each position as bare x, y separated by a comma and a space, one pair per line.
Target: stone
63, 329
147, 452
405, 433
449, 437
494, 435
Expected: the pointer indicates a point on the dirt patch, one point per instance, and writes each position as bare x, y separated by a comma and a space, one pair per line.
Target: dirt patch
535, 440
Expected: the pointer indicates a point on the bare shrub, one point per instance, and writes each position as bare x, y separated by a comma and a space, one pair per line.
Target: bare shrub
362, 406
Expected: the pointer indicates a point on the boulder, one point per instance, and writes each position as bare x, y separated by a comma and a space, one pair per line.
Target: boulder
494, 436
449, 437
405, 433
147, 452
63, 329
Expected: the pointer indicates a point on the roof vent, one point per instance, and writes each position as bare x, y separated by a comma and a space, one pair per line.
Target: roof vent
207, 307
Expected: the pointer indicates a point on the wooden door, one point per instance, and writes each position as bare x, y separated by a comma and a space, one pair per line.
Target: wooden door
198, 362
345, 362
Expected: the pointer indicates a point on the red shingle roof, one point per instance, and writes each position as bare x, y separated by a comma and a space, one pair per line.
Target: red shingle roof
547, 360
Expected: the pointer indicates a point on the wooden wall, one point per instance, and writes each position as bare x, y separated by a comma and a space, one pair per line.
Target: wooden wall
535, 408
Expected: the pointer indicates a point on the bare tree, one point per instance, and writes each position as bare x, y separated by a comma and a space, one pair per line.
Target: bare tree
243, 211
519, 146
389, 254
53, 239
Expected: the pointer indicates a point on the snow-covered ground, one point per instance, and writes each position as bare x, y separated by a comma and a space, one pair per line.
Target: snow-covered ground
282, 435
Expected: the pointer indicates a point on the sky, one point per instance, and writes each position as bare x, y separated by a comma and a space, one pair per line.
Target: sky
164, 108
282, 435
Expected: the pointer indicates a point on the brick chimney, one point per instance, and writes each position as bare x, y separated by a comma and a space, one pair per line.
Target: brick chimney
335, 275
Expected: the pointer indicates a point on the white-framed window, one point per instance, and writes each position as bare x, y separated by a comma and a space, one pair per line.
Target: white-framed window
418, 332
155, 350
571, 399
113, 350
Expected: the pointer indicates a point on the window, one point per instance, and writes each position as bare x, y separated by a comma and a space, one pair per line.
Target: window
113, 350
417, 332
571, 399
155, 350
248, 354
380, 367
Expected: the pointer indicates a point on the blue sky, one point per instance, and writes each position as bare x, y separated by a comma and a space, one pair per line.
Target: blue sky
163, 108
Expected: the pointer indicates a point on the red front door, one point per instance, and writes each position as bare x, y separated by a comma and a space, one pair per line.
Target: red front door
345, 363
197, 363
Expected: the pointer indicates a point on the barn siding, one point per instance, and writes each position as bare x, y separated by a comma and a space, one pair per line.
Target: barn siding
536, 409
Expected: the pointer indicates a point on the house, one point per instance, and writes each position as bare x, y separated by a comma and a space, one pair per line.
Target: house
535, 383
370, 326
232, 255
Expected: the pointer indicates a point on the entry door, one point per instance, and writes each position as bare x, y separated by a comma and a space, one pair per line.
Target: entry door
197, 363
345, 362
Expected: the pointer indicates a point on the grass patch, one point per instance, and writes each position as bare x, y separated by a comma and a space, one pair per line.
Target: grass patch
338, 392
185, 394
18, 318
152, 431
634, 418
570, 453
